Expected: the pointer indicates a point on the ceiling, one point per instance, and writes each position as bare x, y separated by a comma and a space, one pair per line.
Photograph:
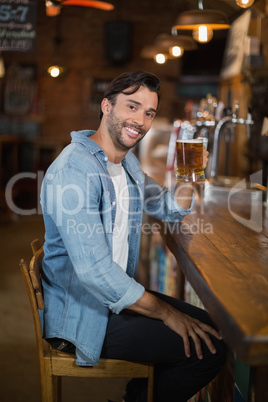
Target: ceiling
229, 7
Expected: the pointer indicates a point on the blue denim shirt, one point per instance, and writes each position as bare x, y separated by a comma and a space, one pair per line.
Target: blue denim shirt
81, 282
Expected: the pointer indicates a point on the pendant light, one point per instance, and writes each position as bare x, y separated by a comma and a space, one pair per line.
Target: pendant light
56, 68
160, 58
202, 22
159, 54
244, 3
175, 44
53, 7
167, 47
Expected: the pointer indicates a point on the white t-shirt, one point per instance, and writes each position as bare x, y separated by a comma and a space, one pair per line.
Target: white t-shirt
120, 232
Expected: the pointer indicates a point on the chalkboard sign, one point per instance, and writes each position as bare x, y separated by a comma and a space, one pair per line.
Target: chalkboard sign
235, 46
17, 25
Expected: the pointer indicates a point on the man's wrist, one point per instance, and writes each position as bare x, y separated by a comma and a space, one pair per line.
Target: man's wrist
183, 194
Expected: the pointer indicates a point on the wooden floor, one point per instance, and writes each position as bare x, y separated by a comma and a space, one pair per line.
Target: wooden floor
19, 377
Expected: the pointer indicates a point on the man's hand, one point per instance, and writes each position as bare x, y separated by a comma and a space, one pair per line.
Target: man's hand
188, 327
205, 157
184, 325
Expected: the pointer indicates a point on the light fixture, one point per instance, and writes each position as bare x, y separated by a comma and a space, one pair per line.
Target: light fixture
175, 44
55, 70
167, 47
176, 51
244, 3
57, 67
159, 54
53, 7
202, 34
202, 22
160, 58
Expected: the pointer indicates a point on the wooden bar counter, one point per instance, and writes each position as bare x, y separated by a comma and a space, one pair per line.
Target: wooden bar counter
222, 249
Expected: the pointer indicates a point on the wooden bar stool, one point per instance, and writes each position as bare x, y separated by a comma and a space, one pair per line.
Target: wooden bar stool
54, 364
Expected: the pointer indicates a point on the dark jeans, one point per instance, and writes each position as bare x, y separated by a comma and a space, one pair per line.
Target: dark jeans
138, 338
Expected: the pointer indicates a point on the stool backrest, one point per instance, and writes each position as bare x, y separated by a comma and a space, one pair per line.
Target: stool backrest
32, 280
35, 272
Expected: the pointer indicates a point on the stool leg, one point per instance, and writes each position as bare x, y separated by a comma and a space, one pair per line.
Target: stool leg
50, 384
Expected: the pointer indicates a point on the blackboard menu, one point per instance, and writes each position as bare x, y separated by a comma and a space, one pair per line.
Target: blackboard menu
17, 25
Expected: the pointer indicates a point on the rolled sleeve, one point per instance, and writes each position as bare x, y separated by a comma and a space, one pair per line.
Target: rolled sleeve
160, 202
177, 209
134, 293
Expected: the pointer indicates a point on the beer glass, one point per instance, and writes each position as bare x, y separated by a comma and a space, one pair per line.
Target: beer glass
190, 160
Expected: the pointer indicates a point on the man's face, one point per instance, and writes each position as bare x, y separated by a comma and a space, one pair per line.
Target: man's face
131, 117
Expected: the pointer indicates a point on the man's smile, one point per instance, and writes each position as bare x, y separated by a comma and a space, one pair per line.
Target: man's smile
134, 131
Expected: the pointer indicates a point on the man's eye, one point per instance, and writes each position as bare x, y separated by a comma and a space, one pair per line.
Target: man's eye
150, 115
132, 107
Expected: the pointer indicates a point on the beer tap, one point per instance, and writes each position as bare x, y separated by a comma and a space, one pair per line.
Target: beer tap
232, 121
248, 121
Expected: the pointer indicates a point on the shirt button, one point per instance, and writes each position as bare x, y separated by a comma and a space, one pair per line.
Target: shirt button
113, 203
106, 159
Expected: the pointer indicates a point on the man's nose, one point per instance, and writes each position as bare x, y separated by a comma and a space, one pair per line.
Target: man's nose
139, 118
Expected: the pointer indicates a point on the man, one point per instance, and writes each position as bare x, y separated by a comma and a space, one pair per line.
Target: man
93, 197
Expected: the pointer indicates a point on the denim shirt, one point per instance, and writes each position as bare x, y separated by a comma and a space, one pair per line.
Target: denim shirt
81, 282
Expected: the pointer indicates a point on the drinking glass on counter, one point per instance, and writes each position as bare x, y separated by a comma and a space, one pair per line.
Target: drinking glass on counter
190, 160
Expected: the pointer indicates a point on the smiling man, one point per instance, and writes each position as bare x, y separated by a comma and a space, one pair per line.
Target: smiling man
93, 198
125, 119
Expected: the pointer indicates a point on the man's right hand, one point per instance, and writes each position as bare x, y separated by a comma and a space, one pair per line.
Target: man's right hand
184, 325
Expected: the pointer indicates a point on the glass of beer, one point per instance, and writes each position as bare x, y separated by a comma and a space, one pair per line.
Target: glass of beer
190, 160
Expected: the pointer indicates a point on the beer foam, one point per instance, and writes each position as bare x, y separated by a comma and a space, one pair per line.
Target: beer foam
192, 140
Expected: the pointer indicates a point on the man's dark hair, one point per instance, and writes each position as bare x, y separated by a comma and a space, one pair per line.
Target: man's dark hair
129, 83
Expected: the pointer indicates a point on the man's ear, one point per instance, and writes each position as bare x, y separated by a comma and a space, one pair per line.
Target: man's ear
105, 106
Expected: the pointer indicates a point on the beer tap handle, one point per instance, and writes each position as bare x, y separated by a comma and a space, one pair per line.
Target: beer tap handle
235, 112
249, 121
249, 116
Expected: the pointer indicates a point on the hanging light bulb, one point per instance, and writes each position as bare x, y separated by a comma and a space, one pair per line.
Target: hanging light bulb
55, 71
52, 8
176, 51
202, 34
160, 58
168, 47
202, 22
244, 3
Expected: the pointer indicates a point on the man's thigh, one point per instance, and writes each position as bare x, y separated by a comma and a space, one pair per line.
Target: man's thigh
138, 338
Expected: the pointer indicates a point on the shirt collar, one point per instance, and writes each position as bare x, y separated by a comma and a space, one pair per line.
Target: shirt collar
83, 137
